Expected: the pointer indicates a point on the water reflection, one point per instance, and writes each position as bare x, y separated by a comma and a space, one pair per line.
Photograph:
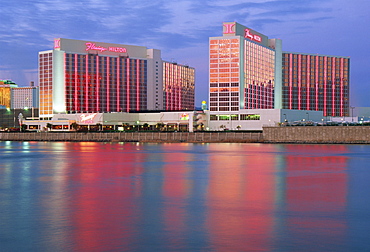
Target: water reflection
317, 183
169, 197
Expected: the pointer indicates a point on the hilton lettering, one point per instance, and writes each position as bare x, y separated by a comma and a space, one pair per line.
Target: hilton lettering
117, 49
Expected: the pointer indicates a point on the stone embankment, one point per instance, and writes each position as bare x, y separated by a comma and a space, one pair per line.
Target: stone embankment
308, 134
198, 137
317, 134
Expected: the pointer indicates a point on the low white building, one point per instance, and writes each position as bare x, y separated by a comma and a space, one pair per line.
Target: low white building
115, 121
249, 119
256, 119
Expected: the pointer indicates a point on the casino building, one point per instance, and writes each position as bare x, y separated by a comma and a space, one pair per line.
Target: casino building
6, 87
247, 70
242, 69
316, 82
24, 97
92, 77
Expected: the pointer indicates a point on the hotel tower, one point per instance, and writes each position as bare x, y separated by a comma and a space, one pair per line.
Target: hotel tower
94, 77
247, 70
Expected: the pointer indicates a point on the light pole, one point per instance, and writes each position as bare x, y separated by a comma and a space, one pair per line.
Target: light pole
352, 112
8, 116
308, 116
284, 117
2, 118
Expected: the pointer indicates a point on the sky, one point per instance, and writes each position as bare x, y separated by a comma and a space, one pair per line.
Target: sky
181, 29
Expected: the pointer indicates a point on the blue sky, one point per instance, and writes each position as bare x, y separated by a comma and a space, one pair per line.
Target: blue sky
181, 30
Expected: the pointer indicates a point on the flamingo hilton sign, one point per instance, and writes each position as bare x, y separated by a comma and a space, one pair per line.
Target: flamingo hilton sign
93, 46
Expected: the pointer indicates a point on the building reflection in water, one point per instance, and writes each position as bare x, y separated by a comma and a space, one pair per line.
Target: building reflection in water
166, 197
103, 203
241, 197
316, 192
176, 188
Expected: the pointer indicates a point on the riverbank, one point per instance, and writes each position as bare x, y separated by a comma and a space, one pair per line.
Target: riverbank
318, 134
157, 137
300, 134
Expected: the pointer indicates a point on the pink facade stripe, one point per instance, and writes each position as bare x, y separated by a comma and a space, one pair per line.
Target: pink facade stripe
97, 83
290, 80
299, 80
128, 85
333, 84
168, 72
179, 88
117, 84
137, 84
341, 75
87, 83
64, 74
325, 83
76, 79
317, 84
308, 77
108, 84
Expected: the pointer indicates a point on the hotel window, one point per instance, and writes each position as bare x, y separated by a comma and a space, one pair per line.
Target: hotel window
223, 117
213, 117
249, 117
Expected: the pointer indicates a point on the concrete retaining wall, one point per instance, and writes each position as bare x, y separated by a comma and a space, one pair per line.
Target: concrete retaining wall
317, 134
308, 134
135, 136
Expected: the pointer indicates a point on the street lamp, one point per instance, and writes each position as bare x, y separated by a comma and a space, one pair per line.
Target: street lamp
9, 109
352, 112
8, 115
2, 118
285, 117
308, 116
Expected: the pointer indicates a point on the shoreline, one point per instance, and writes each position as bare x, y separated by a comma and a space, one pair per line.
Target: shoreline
269, 135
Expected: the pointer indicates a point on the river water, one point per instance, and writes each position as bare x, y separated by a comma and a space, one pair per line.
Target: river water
86, 196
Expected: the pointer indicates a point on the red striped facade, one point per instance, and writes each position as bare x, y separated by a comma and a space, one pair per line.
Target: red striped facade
316, 82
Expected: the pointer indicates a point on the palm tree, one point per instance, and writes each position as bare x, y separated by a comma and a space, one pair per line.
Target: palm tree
23, 127
146, 126
159, 126
74, 126
125, 126
49, 126
99, 125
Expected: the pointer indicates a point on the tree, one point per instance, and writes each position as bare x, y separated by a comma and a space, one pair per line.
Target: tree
159, 126
99, 125
200, 127
126, 126
74, 126
49, 126
146, 126
23, 127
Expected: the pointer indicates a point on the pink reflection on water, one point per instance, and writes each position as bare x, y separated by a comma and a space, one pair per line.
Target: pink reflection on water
103, 208
316, 190
175, 191
241, 198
